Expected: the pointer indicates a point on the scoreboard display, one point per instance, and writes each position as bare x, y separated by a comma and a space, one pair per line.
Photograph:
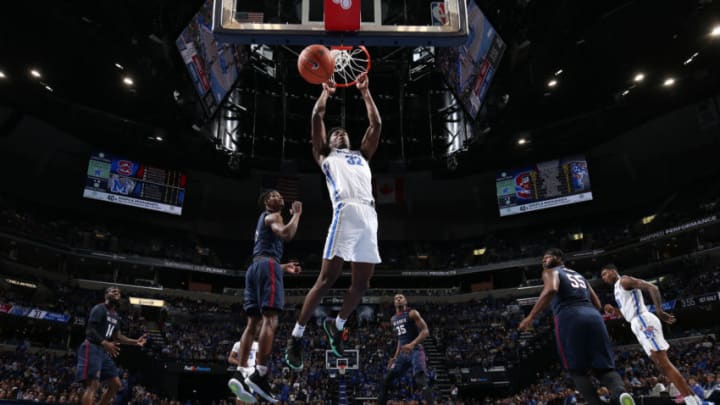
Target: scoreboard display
122, 181
543, 185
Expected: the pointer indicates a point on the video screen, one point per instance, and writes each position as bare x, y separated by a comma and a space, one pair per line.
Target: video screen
214, 66
470, 68
544, 185
122, 181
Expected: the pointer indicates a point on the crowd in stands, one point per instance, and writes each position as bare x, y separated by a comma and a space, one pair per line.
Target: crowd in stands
699, 362
421, 255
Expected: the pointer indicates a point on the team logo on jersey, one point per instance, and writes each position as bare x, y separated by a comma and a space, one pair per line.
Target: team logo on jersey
649, 332
125, 167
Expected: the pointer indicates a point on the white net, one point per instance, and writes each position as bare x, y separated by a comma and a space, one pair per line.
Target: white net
349, 64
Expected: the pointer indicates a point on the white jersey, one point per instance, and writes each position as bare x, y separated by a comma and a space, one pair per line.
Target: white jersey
348, 177
630, 302
645, 325
251, 356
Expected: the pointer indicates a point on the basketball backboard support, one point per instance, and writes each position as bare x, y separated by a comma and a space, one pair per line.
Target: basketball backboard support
301, 22
351, 360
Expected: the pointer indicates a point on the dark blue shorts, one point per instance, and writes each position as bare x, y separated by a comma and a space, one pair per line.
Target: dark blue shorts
94, 363
264, 287
582, 340
405, 361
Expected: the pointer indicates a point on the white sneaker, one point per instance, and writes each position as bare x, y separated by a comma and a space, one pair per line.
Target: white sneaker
626, 399
241, 391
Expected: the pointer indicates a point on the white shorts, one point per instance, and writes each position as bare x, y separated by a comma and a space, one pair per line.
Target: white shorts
648, 330
353, 234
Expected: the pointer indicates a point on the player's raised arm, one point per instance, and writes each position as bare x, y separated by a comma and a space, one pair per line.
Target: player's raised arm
319, 136
285, 231
371, 139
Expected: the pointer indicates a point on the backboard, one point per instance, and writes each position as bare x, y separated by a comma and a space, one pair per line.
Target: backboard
302, 22
351, 359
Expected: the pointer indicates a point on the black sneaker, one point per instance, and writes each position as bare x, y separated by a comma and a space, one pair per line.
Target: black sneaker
293, 353
261, 386
335, 337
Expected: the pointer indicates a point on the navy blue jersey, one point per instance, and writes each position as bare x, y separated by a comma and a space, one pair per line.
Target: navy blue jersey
406, 329
102, 323
573, 291
266, 242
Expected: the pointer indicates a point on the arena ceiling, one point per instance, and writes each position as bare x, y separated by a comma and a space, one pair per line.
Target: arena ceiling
83, 50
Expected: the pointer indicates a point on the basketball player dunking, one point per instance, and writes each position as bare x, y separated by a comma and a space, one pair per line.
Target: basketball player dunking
582, 339
411, 331
352, 235
646, 326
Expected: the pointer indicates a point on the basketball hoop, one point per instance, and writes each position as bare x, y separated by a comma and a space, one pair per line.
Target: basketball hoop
341, 369
350, 63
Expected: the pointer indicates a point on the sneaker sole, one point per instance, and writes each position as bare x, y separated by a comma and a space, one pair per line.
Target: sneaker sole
626, 399
292, 366
331, 340
256, 389
240, 392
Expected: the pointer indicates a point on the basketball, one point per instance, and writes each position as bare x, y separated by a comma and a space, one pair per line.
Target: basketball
316, 64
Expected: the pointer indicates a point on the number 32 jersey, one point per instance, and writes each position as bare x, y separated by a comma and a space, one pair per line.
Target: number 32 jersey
573, 291
348, 177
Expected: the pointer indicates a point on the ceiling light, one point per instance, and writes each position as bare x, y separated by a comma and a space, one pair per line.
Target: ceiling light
639, 77
521, 141
128, 80
2, 74
646, 220
35, 73
626, 92
119, 66
159, 138
559, 72
552, 83
48, 88
690, 59
715, 31
669, 82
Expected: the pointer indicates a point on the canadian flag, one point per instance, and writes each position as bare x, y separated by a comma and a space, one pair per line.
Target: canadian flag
389, 190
